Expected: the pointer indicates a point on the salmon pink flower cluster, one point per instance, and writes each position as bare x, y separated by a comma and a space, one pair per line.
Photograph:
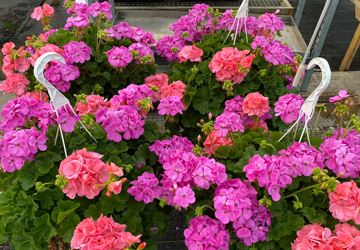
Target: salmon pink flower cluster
86, 174
15, 60
43, 13
94, 103
164, 89
122, 122
345, 202
231, 64
60, 75
17, 146
15, 83
255, 104
145, 188
206, 233
217, 140
235, 201
314, 236
191, 53
342, 155
104, 233
288, 107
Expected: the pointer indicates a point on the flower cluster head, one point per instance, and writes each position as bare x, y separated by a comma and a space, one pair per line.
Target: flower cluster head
45, 49
253, 225
76, 52
231, 64
342, 155
270, 22
20, 145
191, 53
208, 172
67, 119
104, 233
43, 13
269, 171
342, 94
165, 148
94, 103
96, 8
288, 107
228, 121
206, 233
301, 159
345, 202
274, 51
86, 174
255, 104
120, 31
171, 106
142, 50
121, 122
160, 81
169, 47
131, 95
15, 60
217, 140
15, 83
60, 75
18, 111
314, 236
119, 57
145, 188
78, 21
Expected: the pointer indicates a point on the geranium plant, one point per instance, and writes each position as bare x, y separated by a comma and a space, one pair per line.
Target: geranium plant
100, 57
203, 55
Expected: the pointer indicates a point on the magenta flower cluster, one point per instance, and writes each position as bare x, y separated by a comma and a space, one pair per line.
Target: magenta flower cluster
119, 57
270, 22
288, 107
235, 201
76, 52
142, 49
67, 119
145, 188
342, 155
124, 30
20, 145
18, 111
206, 233
170, 46
60, 75
96, 8
171, 105
121, 122
228, 122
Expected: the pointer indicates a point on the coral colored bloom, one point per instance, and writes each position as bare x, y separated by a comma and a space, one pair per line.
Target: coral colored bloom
217, 140
256, 104
37, 14
94, 104
160, 81
247, 61
7, 48
48, 10
191, 53
176, 88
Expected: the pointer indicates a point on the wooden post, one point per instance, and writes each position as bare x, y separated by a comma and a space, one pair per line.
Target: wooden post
355, 42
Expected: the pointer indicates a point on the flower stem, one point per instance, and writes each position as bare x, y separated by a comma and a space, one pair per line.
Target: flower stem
340, 126
316, 122
347, 131
236, 149
100, 128
209, 207
212, 145
302, 190
134, 69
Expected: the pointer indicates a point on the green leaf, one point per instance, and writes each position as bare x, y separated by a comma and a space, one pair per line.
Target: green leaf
26, 179
67, 226
223, 151
66, 208
43, 229
47, 197
149, 136
21, 240
159, 220
94, 211
201, 100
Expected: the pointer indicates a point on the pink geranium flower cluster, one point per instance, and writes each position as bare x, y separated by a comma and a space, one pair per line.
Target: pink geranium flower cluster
217, 140
314, 236
20, 145
342, 94
255, 104
345, 202
301, 159
67, 119
86, 174
253, 225
235, 201
121, 122
171, 106
288, 107
145, 188
206, 233
342, 155
45, 49
18, 60
228, 121
131, 95
18, 111
43, 13
142, 49
76, 52
124, 30
169, 47
15, 83
96, 8
119, 57
191, 53
94, 103
60, 75
165, 148
164, 89
231, 64
104, 233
